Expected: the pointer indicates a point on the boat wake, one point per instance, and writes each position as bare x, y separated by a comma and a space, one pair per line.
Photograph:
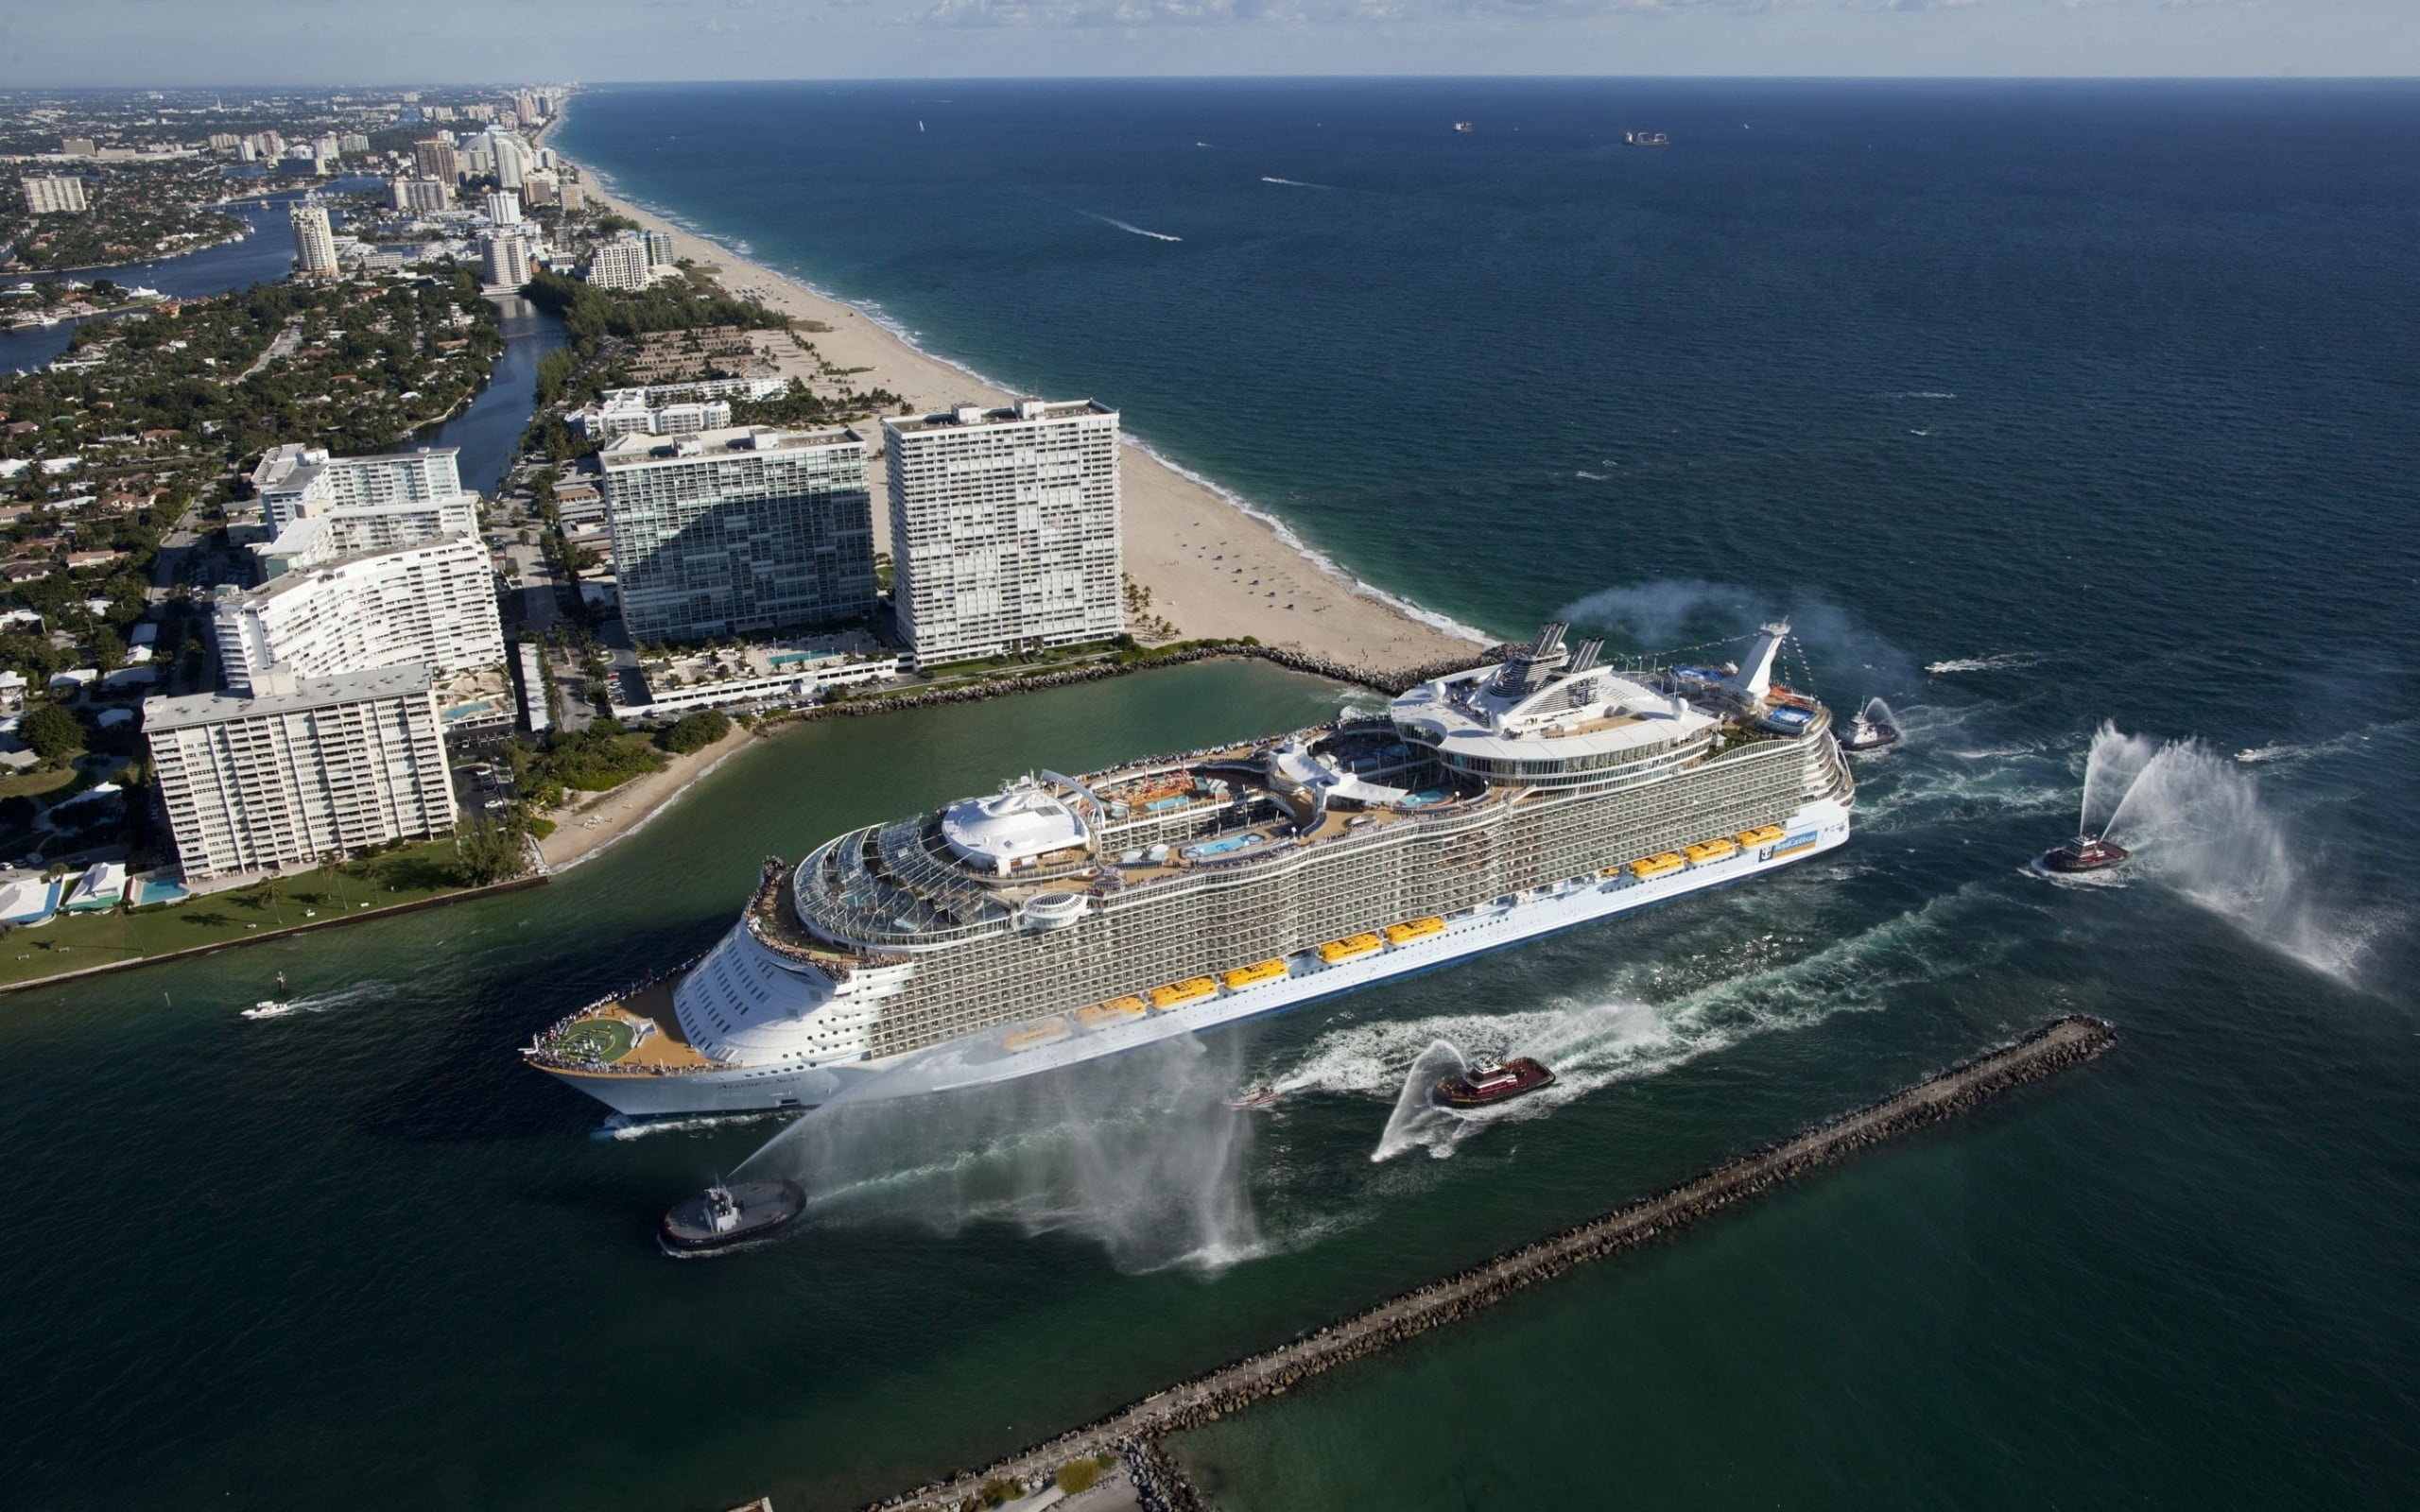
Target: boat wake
1295, 183
319, 1002
1633, 1029
622, 1126
1124, 226
2006, 661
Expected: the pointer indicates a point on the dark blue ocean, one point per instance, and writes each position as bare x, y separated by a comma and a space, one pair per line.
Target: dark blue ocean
2032, 406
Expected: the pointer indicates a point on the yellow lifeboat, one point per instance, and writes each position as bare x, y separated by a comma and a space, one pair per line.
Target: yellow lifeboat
1048, 1032
1716, 849
1253, 975
1114, 1011
1761, 834
1670, 861
1177, 994
1413, 928
1351, 948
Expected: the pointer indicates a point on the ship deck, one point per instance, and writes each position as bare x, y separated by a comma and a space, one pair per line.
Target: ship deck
637, 1032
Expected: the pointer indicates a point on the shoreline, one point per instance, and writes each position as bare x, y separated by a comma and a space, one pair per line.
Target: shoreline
620, 813
1213, 565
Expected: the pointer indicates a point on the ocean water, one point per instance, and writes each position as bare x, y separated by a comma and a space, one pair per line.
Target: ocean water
2033, 406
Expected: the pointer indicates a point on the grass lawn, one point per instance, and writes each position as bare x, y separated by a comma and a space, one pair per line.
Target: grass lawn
37, 783
71, 942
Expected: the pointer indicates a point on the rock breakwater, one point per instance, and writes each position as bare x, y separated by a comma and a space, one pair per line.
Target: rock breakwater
1131, 1430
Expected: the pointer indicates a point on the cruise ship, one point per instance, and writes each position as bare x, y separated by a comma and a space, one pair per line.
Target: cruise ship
1063, 917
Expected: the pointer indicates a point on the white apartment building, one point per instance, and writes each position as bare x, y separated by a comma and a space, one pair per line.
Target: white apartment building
297, 482
616, 415
1004, 528
419, 196
54, 194
432, 603
511, 156
504, 260
299, 770
315, 241
504, 208
739, 531
620, 263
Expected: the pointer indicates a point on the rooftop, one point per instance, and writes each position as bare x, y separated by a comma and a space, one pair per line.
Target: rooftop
299, 694
642, 451
1024, 411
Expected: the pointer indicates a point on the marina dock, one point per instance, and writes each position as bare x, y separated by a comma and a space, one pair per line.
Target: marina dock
1131, 1431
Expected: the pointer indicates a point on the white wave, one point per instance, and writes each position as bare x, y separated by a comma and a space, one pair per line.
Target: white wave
873, 310
1921, 393
1128, 226
1621, 1033
623, 1128
1592, 477
2006, 661
1297, 183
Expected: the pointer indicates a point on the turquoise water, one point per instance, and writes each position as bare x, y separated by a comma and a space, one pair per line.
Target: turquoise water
2032, 406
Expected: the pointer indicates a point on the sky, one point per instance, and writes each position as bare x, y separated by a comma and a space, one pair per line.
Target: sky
204, 43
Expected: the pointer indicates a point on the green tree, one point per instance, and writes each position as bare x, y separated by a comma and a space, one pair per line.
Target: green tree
52, 732
487, 852
694, 732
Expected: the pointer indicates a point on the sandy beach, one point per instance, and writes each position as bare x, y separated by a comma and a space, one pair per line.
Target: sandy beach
592, 822
1210, 568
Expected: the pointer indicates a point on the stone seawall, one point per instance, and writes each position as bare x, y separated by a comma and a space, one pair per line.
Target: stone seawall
1131, 1430
1387, 683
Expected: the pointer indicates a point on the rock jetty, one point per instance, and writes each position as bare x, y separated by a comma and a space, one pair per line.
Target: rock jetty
1131, 1432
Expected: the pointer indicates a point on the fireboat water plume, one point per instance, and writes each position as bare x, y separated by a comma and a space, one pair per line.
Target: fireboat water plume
2199, 820
1137, 1153
2116, 761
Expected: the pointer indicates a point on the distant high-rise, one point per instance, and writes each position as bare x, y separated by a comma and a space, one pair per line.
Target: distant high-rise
620, 263
430, 601
434, 159
504, 259
54, 195
1004, 528
504, 208
541, 186
739, 531
315, 241
659, 248
419, 195
511, 158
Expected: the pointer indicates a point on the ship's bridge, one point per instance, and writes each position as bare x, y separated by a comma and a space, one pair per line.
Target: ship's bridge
1549, 716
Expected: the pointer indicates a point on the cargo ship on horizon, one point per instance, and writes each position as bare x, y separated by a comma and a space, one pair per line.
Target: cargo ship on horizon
1064, 918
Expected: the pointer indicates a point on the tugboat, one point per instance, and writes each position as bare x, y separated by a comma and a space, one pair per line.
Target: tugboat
2085, 852
726, 1215
1488, 1082
1254, 1098
1869, 731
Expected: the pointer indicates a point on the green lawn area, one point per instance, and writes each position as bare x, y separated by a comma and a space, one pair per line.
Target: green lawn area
73, 942
36, 783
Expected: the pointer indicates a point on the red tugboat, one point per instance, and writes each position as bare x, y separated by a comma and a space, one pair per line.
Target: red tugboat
2085, 852
730, 1215
1488, 1082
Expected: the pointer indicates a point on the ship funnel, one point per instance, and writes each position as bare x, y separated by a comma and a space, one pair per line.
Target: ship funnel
1549, 639
1755, 677
1585, 656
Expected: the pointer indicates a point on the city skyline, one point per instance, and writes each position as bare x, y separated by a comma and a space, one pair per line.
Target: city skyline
215, 44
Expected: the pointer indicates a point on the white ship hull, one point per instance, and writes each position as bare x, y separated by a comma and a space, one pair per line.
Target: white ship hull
982, 1059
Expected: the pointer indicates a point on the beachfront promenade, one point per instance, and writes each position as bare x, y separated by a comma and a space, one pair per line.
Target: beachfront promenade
1131, 1431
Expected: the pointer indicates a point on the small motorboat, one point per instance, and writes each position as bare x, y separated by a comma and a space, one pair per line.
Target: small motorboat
1254, 1098
731, 1213
2085, 852
1872, 730
1489, 1082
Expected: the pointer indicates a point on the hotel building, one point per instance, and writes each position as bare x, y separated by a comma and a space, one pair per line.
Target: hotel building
299, 770
1004, 528
315, 241
431, 603
739, 531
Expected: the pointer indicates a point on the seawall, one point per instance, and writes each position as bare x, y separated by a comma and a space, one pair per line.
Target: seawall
1130, 1432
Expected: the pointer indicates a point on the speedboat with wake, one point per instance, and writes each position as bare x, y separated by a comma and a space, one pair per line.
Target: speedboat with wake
1252, 1099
